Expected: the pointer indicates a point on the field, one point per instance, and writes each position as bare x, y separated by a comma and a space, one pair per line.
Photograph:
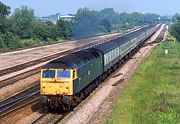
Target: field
153, 94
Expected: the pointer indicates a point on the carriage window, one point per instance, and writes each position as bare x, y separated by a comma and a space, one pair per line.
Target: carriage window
48, 74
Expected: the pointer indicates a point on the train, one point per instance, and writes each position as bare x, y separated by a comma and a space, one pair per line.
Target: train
67, 80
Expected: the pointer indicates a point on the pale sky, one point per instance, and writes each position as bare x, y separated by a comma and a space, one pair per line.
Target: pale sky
47, 7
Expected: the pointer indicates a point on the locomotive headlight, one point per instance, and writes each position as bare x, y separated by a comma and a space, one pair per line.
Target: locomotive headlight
42, 90
43, 86
57, 92
61, 85
66, 84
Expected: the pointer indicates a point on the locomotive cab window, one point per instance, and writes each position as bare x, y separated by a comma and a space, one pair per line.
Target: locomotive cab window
63, 74
74, 74
48, 74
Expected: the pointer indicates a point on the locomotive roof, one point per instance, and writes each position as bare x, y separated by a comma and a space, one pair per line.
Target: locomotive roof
74, 60
108, 46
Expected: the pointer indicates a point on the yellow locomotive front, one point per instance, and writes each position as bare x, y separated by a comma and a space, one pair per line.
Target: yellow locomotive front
55, 84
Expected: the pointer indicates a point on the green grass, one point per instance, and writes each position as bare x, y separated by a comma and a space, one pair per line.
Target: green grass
153, 94
24, 43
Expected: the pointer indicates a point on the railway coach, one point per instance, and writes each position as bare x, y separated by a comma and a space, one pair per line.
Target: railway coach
67, 80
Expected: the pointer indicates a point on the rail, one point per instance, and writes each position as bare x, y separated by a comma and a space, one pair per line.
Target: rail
19, 100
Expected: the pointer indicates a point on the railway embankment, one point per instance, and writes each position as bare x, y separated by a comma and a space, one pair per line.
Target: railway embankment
152, 95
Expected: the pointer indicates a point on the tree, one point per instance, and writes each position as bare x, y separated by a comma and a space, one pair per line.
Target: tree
110, 15
44, 30
23, 18
8, 41
107, 25
40, 30
53, 30
174, 18
151, 18
137, 18
65, 29
175, 29
2, 45
4, 12
23, 28
86, 23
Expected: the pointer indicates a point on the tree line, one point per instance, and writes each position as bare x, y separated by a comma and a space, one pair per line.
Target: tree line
22, 28
175, 27
90, 23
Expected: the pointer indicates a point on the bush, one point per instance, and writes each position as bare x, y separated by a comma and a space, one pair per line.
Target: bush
175, 29
8, 41
29, 42
2, 44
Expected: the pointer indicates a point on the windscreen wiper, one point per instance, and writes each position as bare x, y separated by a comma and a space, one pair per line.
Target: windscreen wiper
47, 70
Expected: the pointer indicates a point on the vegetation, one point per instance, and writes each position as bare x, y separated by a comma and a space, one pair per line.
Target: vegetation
89, 22
175, 28
22, 28
86, 23
153, 95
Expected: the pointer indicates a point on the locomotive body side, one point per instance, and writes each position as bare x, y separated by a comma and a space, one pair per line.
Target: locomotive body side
86, 74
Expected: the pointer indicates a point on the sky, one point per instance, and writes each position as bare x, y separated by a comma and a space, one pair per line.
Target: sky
47, 7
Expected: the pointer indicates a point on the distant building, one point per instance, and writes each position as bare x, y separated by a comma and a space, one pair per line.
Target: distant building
67, 17
57, 16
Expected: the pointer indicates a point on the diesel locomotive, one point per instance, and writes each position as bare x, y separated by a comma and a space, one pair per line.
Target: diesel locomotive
69, 79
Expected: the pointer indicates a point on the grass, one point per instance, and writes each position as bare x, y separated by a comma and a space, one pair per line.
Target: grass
25, 43
153, 94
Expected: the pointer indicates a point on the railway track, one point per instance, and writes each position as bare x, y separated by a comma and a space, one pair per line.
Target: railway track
19, 100
18, 77
49, 118
159, 38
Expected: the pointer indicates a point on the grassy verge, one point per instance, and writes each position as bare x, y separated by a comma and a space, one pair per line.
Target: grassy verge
26, 43
153, 93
